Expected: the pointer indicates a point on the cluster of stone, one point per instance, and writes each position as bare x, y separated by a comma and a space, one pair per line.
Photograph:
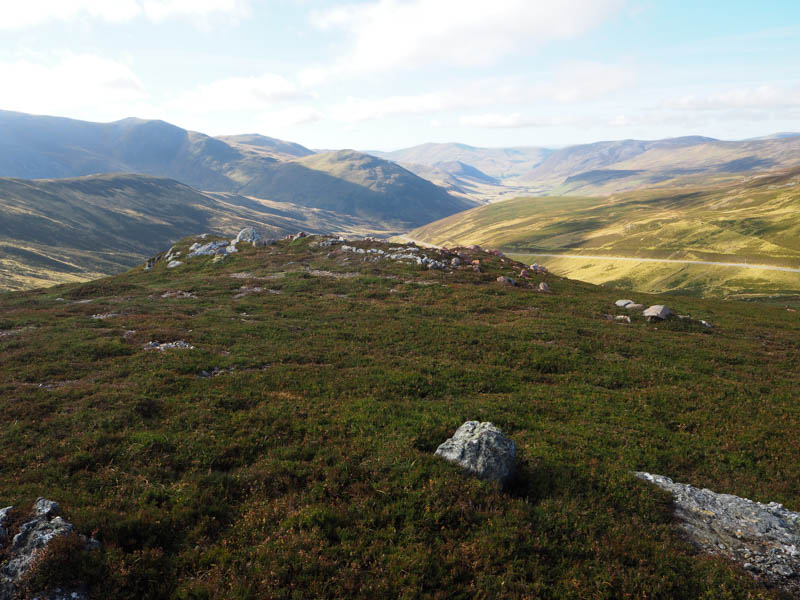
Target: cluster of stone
657, 312
177, 345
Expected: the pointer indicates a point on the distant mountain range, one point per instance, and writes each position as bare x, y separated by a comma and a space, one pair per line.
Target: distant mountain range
595, 169
355, 184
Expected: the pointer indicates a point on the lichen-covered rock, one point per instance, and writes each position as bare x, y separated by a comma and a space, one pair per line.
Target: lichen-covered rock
481, 449
763, 538
33, 536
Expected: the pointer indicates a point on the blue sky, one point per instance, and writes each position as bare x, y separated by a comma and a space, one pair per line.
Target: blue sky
385, 74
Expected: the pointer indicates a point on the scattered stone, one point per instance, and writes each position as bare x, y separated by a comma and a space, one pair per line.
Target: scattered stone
104, 316
538, 269
543, 287
178, 294
763, 538
332, 242
503, 280
246, 290
623, 303
622, 318
216, 372
524, 274
34, 535
455, 261
633, 306
177, 345
482, 450
657, 312
174, 263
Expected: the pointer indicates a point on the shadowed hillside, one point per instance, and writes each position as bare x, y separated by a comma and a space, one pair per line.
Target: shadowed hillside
78, 229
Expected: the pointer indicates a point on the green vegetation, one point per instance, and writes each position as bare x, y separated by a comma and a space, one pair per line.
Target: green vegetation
755, 221
304, 468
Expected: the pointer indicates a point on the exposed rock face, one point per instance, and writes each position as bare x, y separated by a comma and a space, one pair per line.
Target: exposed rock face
763, 538
658, 312
481, 449
34, 535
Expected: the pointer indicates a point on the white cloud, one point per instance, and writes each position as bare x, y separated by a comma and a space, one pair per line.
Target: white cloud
292, 116
353, 110
29, 13
513, 121
762, 96
389, 34
69, 83
572, 82
238, 93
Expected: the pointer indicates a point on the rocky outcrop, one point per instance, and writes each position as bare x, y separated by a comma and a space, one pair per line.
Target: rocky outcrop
482, 450
33, 536
763, 538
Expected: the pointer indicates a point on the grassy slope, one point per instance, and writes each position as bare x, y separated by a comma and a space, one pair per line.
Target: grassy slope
756, 221
307, 471
54, 231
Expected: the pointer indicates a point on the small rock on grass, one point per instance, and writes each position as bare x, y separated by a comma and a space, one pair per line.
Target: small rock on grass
482, 450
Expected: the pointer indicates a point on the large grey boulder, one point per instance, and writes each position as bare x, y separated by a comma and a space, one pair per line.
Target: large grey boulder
482, 450
248, 234
657, 312
763, 538
34, 535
